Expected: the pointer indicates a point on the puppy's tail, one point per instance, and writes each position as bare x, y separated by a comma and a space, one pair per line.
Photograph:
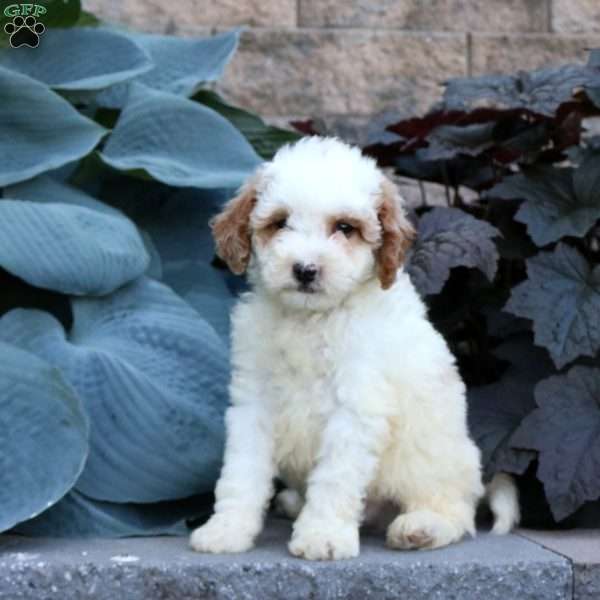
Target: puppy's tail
503, 498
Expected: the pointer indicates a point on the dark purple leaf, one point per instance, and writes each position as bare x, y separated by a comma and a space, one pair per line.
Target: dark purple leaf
579, 154
593, 89
558, 202
565, 430
593, 93
515, 243
505, 139
449, 140
541, 91
594, 58
447, 238
306, 127
386, 154
474, 173
496, 410
562, 297
419, 128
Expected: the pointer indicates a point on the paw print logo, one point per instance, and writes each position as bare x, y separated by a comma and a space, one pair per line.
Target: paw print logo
24, 32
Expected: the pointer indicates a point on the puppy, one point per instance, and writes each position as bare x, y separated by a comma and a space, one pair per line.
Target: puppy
340, 385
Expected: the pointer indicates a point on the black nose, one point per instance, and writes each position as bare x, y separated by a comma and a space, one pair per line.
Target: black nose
305, 274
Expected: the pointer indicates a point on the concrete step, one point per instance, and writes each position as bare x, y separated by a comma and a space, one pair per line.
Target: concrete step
485, 568
582, 548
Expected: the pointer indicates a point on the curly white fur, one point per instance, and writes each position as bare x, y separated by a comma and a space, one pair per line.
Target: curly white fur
342, 389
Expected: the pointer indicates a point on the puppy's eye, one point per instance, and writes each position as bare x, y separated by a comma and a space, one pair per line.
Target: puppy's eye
344, 227
280, 224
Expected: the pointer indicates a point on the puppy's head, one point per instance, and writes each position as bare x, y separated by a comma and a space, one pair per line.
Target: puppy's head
315, 224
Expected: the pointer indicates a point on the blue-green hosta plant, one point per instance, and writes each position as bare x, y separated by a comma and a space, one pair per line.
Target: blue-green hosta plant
512, 277
113, 319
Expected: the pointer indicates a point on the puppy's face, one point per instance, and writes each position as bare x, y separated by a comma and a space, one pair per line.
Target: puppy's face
314, 224
312, 258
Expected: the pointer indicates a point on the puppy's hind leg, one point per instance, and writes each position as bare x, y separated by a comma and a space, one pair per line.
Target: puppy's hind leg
439, 499
427, 529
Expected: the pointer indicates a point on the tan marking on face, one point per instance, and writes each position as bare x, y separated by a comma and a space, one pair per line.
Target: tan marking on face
397, 234
231, 229
363, 232
266, 228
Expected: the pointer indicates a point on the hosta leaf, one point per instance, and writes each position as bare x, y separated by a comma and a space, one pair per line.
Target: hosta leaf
43, 439
558, 202
47, 190
69, 249
176, 218
265, 139
76, 515
561, 295
80, 59
177, 222
496, 410
152, 375
541, 91
448, 238
184, 240
178, 142
205, 288
18, 294
30, 140
565, 430
155, 268
180, 64
66, 172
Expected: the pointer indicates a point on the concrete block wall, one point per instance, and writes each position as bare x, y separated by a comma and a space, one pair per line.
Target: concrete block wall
346, 61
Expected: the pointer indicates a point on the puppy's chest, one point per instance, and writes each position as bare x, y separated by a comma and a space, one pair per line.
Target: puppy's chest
300, 368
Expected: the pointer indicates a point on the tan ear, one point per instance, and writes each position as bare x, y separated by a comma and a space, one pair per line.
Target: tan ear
231, 229
397, 234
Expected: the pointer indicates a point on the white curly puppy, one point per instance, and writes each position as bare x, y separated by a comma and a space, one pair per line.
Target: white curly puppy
340, 384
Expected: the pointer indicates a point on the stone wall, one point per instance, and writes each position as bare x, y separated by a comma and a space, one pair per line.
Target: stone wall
345, 61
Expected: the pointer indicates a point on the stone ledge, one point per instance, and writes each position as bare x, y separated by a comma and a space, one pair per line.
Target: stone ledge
582, 16
156, 15
582, 548
436, 15
487, 567
509, 53
316, 72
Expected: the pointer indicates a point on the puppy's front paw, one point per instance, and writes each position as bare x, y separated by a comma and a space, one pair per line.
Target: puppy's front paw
325, 541
222, 534
422, 529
